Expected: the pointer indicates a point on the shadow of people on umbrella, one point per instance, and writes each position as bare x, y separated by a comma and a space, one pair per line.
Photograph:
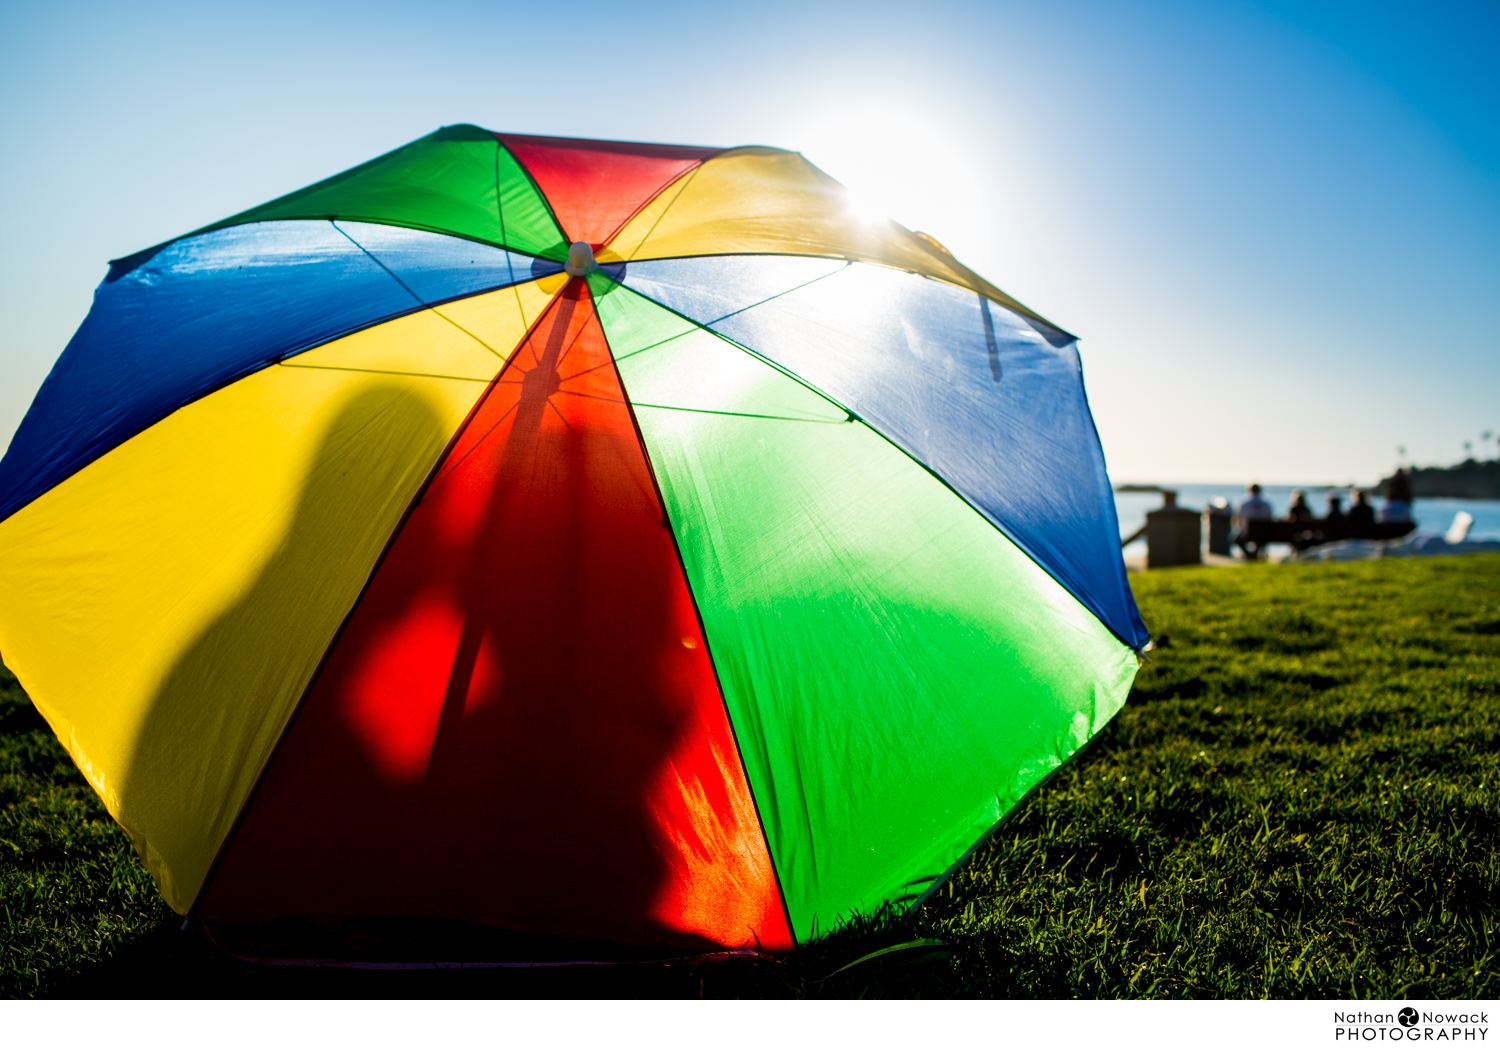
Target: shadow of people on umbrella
510, 729
219, 710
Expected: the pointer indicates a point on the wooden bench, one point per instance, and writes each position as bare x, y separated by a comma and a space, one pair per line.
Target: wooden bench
1305, 534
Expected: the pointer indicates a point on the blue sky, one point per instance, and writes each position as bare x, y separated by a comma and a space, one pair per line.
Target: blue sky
1275, 226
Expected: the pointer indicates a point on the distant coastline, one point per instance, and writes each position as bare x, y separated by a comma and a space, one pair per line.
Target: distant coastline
1471, 479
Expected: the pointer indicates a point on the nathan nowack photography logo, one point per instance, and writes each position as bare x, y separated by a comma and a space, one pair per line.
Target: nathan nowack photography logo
1410, 1025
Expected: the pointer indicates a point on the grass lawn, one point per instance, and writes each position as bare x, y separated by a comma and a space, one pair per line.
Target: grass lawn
1302, 799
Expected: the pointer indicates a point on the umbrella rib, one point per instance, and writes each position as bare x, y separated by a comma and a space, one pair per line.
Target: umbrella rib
561, 418
706, 325
670, 205
592, 397
563, 356
448, 468
711, 411
622, 357
384, 372
848, 418
437, 311
371, 256
770, 298
708, 411
853, 415
500, 217
569, 378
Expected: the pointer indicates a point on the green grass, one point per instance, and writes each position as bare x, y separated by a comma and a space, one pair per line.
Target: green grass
1300, 800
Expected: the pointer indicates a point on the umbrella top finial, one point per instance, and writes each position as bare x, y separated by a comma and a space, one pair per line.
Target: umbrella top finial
580, 259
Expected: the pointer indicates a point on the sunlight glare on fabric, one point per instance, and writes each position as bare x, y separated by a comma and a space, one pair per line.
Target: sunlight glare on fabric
866, 210
900, 160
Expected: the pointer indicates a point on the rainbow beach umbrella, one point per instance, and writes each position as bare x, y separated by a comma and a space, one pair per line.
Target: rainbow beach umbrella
591, 540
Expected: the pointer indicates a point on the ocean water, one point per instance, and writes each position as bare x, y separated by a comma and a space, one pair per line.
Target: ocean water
1433, 515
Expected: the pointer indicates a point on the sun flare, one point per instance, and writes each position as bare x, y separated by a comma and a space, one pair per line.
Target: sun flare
899, 160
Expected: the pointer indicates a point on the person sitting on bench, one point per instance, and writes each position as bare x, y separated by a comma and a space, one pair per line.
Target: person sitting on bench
1361, 513
1299, 510
1397, 498
1251, 508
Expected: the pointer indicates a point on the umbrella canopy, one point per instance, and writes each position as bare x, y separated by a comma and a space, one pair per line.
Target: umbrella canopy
586, 539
